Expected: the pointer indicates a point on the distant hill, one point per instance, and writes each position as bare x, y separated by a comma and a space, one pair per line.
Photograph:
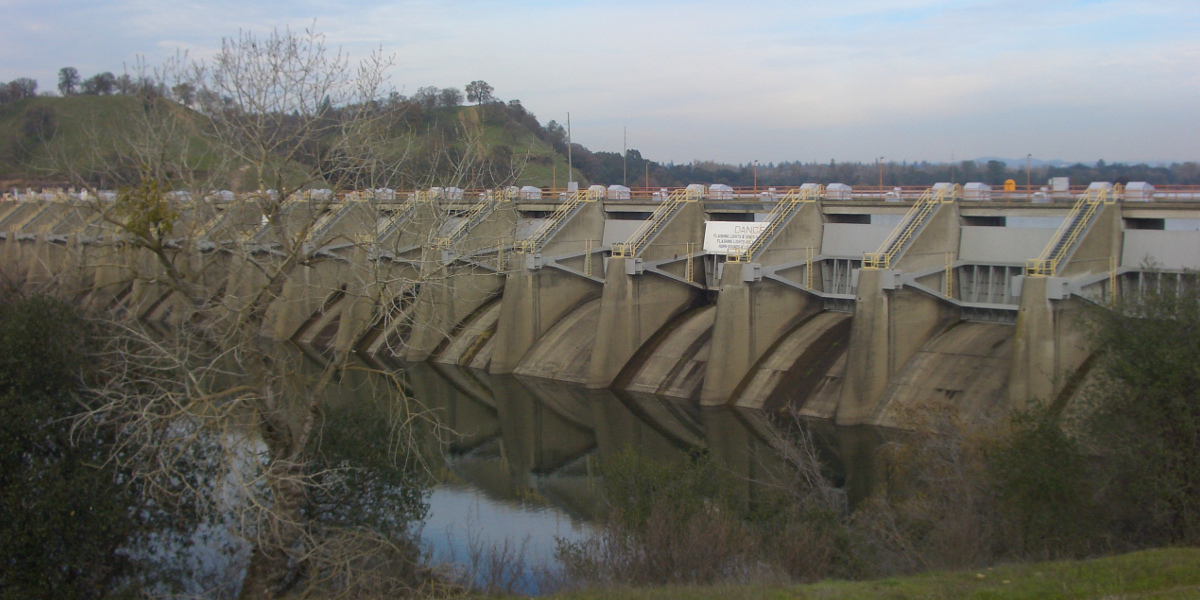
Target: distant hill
499, 144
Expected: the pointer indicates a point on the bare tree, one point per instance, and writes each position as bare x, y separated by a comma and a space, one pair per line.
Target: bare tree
225, 276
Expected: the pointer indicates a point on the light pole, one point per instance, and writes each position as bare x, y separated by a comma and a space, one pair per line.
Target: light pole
756, 177
879, 161
1028, 177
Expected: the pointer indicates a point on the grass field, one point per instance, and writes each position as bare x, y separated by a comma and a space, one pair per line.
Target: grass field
1160, 574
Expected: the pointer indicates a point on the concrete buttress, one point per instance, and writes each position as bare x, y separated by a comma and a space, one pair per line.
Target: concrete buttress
634, 307
536, 298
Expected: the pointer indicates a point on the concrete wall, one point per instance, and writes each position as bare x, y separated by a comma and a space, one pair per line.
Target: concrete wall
1170, 250
902, 346
1049, 345
1000, 245
805, 229
850, 240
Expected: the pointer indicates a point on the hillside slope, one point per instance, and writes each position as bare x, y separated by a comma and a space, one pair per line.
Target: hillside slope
48, 141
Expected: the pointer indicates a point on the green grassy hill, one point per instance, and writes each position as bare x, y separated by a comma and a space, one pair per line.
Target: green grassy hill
38, 136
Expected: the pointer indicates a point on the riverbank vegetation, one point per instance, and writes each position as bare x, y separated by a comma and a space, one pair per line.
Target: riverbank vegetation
1114, 471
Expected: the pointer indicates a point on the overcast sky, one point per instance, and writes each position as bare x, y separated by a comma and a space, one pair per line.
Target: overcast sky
728, 81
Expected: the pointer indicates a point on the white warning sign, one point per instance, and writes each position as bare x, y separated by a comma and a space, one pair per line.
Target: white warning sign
724, 237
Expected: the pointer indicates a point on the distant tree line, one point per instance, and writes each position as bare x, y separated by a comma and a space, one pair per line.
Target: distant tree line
70, 83
609, 168
17, 89
105, 84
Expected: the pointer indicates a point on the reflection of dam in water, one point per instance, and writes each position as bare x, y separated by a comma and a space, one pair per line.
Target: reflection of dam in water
521, 438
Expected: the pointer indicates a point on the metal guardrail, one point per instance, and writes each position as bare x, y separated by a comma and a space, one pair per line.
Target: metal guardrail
326, 221
784, 208
556, 220
1064, 238
646, 232
490, 201
904, 232
404, 212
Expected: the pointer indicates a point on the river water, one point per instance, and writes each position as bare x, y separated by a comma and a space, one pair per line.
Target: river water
520, 457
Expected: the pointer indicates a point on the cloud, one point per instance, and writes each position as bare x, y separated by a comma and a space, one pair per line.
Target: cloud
701, 80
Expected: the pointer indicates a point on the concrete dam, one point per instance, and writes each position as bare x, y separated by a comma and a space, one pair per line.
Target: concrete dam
836, 304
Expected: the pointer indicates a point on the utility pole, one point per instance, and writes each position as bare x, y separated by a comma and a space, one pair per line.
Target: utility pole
570, 165
1028, 177
756, 177
879, 161
625, 156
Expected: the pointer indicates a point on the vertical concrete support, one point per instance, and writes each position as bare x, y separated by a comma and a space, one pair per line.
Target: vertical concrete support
45, 263
535, 298
751, 317
632, 308
360, 300
1049, 345
305, 292
533, 302
447, 297
635, 306
890, 326
108, 264
454, 291
10, 258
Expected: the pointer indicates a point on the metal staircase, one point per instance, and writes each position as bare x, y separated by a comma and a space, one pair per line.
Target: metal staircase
404, 213
556, 220
1073, 227
474, 216
323, 224
641, 238
913, 222
779, 216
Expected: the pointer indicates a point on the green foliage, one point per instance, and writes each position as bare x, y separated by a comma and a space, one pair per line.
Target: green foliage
635, 485
1143, 412
63, 516
1045, 489
147, 210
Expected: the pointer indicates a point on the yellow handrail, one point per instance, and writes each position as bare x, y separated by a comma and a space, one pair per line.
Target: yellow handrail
908, 226
326, 220
638, 240
1064, 238
539, 238
404, 211
775, 219
477, 210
